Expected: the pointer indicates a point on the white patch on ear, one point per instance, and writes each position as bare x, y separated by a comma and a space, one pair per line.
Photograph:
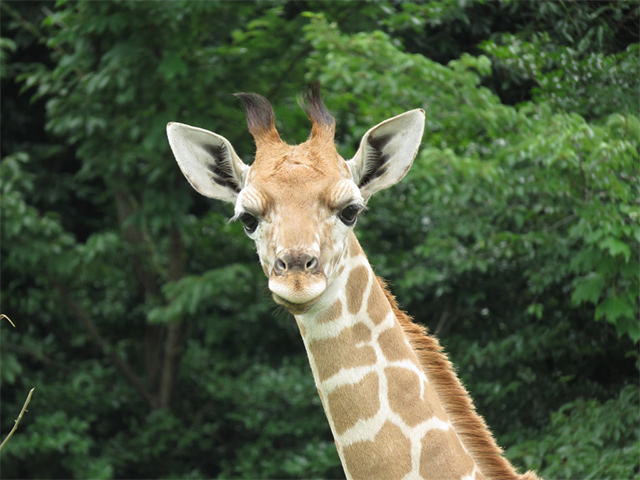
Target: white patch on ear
386, 152
208, 161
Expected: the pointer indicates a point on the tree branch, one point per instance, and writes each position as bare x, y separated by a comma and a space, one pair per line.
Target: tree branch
17, 421
442, 322
35, 31
173, 346
35, 354
107, 349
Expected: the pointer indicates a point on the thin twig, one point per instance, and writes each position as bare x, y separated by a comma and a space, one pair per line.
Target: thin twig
2, 315
15, 425
35, 31
39, 356
30, 27
442, 322
559, 223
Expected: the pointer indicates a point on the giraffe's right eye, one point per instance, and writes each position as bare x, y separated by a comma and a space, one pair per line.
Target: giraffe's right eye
249, 222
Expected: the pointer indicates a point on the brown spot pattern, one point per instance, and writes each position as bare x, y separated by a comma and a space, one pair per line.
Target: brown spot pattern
349, 403
356, 284
354, 248
443, 457
333, 354
388, 457
404, 397
389, 341
377, 306
332, 313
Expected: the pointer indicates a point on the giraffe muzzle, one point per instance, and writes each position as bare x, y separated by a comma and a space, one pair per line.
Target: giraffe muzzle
297, 280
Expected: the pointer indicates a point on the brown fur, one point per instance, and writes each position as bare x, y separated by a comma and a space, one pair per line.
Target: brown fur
455, 399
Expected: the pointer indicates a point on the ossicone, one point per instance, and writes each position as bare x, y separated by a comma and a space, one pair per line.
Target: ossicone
323, 123
260, 117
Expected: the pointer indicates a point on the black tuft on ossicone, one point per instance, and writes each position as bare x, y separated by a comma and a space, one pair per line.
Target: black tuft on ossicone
311, 102
260, 116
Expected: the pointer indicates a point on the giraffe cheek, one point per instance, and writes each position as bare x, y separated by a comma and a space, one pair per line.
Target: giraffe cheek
263, 253
265, 268
334, 249
266, 265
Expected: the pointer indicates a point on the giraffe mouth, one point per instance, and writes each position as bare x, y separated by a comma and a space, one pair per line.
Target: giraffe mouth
295, 308
297, 292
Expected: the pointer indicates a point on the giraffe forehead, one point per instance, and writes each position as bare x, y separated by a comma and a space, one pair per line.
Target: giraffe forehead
320, 156
299, 190
296, 163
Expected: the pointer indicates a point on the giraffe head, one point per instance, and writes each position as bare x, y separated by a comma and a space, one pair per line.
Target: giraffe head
299, 203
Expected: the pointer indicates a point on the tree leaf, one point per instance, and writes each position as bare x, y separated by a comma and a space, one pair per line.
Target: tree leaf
615, 247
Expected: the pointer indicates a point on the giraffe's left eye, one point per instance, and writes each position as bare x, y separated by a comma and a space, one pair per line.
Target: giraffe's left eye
249, 222
349, 215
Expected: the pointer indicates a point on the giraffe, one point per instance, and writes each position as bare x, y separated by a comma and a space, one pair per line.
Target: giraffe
394, 404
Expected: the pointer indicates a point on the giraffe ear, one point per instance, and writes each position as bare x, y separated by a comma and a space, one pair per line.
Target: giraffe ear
208, 161
386, 152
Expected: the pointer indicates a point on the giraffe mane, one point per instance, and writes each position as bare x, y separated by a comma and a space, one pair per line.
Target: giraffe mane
458, 405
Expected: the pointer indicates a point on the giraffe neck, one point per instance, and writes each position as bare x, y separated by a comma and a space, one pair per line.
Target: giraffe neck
384, 413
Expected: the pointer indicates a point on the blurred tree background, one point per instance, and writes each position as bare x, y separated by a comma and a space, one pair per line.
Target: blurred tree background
143, 319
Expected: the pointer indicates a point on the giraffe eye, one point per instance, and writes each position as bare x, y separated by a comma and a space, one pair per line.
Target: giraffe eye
249, 222
349, 215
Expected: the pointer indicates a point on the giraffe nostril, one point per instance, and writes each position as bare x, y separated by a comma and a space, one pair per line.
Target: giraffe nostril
296, 262
312, 265
280, 266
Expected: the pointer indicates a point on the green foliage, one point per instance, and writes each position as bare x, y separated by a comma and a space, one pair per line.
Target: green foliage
567, 78
58, 436
265, 402
542, 179
43, 240
142, 316
588, 439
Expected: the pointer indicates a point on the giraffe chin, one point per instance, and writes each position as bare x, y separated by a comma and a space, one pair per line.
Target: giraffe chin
295, 308
297, 293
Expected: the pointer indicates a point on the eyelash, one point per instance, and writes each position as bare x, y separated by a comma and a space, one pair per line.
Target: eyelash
249, 222
349, 214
